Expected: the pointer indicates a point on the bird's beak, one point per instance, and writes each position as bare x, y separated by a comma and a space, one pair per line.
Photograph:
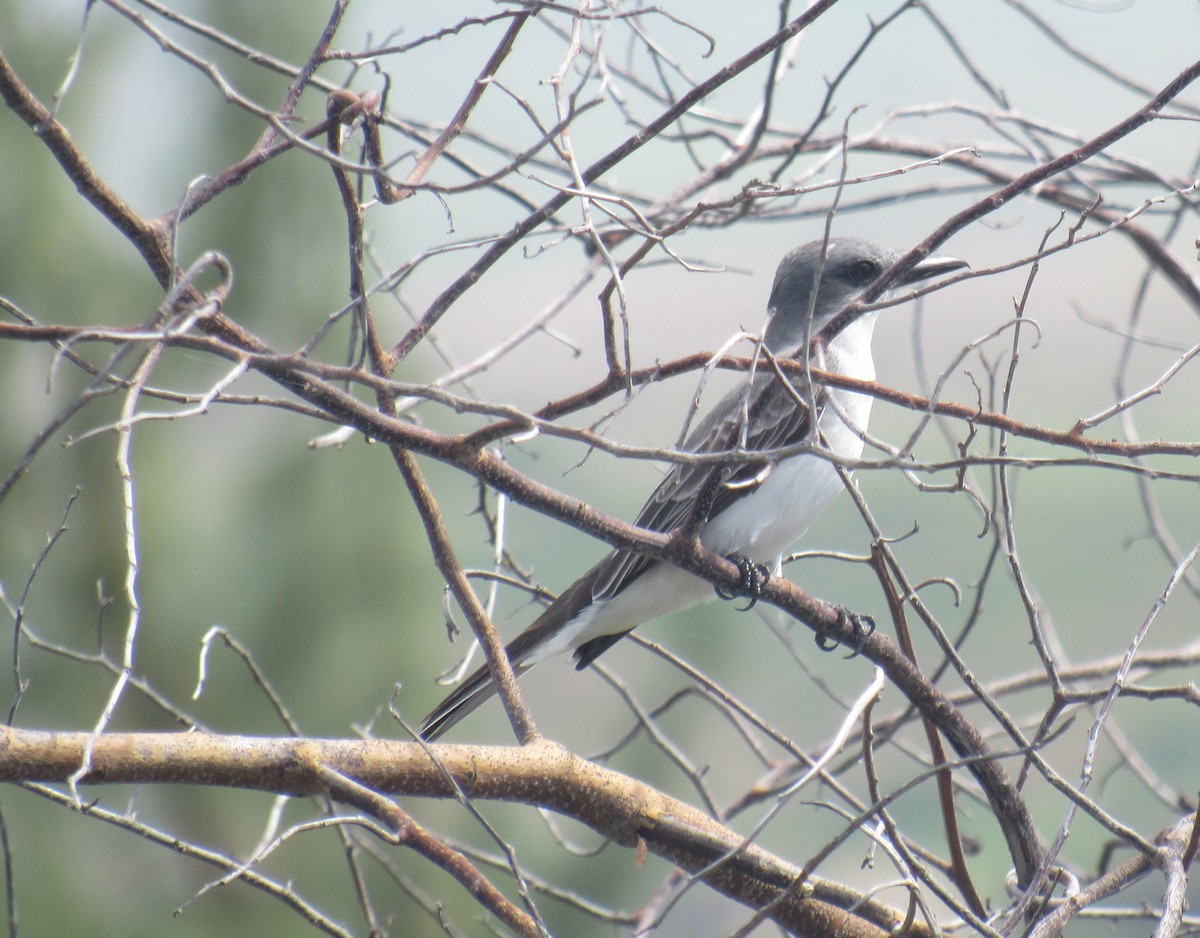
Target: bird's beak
932, 267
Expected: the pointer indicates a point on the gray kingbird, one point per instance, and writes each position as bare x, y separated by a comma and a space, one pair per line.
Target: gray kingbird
757, 507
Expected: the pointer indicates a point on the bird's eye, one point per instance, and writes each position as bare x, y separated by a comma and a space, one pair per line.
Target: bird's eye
863, 272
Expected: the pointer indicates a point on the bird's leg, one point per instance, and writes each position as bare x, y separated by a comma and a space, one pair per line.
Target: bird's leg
863, 626
754, 577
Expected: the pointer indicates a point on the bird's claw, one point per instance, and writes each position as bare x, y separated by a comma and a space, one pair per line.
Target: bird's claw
863, 626
754, 576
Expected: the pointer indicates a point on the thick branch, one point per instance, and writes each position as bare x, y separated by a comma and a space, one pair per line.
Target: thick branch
543, 774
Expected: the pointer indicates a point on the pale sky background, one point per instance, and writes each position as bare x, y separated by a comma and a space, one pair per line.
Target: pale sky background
315, 561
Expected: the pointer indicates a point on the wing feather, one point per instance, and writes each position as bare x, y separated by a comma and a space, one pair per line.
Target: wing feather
773, 418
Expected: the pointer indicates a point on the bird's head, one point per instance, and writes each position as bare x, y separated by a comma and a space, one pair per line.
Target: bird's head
849, 266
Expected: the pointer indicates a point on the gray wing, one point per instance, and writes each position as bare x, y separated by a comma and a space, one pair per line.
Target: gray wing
775, 419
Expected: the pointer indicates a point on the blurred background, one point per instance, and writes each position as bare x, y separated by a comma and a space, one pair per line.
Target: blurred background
314, 560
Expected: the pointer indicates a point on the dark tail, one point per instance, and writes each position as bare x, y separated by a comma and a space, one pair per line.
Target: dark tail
476, 689
480, 687
466, 698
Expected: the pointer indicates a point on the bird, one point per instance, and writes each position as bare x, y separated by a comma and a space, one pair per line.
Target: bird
752, 507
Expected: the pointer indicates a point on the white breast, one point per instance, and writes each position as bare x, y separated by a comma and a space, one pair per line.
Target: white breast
765, 523
761, 525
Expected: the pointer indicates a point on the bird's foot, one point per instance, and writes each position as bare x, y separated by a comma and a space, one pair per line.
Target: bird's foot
754, 576
863, 626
